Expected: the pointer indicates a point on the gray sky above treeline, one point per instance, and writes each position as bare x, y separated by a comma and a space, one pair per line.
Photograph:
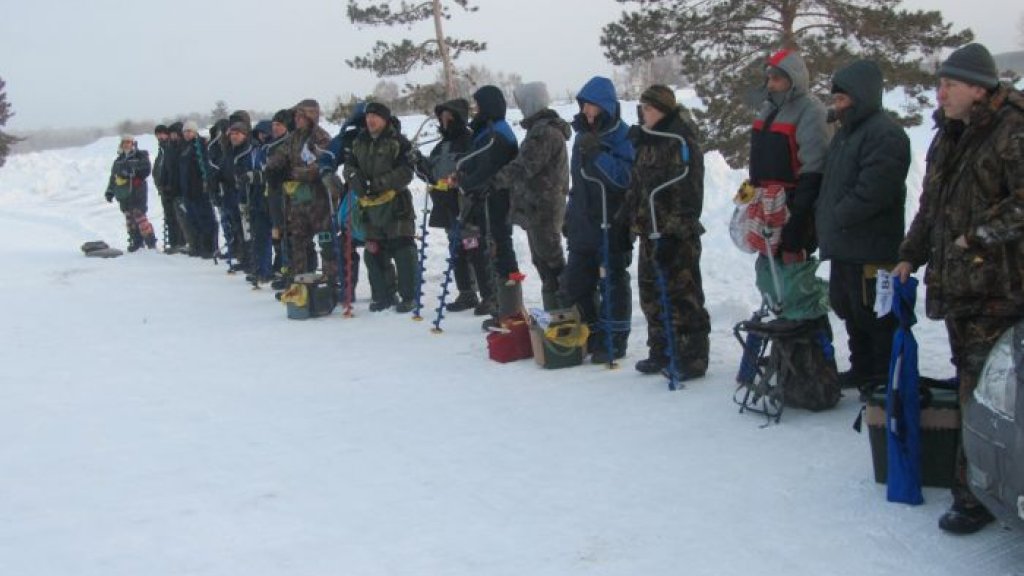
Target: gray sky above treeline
96, 62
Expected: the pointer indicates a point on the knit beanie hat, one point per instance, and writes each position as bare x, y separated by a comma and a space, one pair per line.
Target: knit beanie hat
282, 116
972, 64
190, 125
240, 116
661, 97
378, 109
239, 126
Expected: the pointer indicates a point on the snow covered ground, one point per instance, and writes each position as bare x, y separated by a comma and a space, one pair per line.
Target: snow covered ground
159, 417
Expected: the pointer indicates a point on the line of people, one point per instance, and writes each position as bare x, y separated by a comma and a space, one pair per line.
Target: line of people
279, 194
283, 187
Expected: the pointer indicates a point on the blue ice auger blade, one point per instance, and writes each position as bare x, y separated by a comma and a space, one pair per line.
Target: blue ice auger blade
453, 253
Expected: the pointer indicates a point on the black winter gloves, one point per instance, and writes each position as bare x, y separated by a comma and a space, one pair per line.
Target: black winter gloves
109, 196
798, 233
590, 146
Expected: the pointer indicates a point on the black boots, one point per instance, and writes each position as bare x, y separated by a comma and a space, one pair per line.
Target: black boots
465, 301
963, 520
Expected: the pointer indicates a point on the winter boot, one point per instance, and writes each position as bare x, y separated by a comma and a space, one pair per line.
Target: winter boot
485, 307
281, 282
510, 298
464, 301
134, 241
653, 364
383, 304
405, 306
550, 301
599, 348
964, 520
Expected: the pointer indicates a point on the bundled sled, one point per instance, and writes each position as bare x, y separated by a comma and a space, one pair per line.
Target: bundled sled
309, 296
100, 249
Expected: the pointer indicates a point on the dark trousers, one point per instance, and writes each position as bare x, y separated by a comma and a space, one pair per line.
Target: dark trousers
679, 262
852, 297
173, 235
580, 285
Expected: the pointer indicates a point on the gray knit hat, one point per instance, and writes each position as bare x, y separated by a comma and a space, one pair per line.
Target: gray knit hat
972, 64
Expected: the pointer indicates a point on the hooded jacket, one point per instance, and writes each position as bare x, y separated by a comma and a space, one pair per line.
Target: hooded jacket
456, 141
538, 178
608, 170
490, 131
973, 187
860, 209
341, 145
788, 146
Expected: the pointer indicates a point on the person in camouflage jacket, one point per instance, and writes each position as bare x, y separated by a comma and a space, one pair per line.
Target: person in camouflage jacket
379, 172
128, 184
969, 230
660, 158
538, 181
308, 206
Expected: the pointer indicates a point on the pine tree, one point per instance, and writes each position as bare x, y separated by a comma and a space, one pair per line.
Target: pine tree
398, 58
723, 44
6, 140
220, 111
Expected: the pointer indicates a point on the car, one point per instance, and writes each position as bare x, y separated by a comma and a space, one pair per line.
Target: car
993, 430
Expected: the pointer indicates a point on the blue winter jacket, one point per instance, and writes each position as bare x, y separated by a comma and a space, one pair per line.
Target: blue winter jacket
334, 156
583, 214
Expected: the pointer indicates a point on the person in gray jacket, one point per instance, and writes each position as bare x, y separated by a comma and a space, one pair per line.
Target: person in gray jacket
860, 216
539, 180
788, 146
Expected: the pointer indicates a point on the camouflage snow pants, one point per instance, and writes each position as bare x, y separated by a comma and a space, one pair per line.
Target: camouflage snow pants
309, 221
680, 263
970, 340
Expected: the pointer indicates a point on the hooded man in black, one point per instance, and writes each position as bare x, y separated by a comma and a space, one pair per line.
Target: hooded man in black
859, 215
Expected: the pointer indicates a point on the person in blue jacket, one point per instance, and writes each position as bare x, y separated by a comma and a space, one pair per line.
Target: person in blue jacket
493, 146
602, 157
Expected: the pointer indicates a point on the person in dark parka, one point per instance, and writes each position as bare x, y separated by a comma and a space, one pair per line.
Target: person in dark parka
128, 185
439, 166
859, 215
488, 204
174, 238
602, 156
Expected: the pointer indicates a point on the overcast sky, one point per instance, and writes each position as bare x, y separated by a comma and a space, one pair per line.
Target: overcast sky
96, 62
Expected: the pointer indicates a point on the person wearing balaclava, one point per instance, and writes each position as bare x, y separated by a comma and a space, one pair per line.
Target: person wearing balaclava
439, 167
859, 216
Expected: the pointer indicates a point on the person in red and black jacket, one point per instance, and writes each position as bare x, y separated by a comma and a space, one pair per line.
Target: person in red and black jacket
788, 146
